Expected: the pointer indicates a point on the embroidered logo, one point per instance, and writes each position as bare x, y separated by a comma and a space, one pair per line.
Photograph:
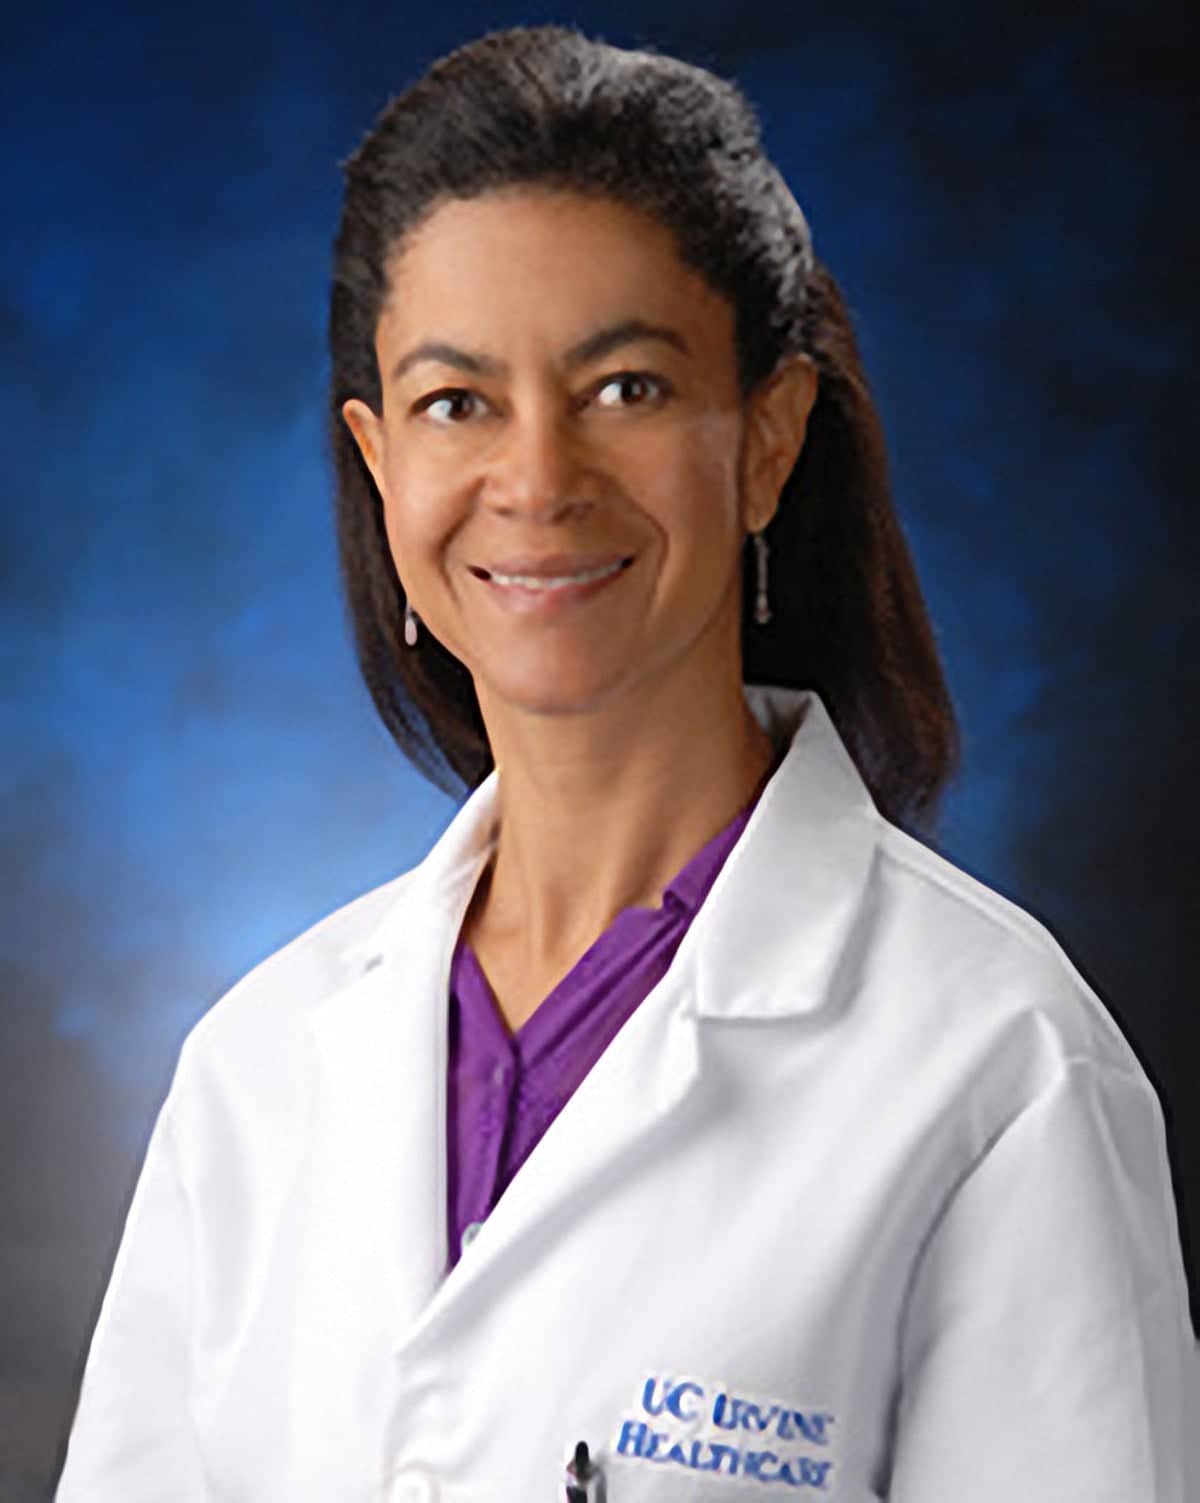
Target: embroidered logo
706, 1427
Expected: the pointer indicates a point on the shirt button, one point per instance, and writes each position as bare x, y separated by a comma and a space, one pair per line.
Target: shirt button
499, 1075
413, 1487
470, 1232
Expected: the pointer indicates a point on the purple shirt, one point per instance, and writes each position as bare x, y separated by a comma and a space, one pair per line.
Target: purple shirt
505, 1089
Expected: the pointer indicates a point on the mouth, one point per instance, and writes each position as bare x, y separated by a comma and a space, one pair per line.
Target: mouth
546, 594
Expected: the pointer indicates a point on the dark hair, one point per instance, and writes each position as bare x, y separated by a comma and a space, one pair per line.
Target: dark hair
547, 106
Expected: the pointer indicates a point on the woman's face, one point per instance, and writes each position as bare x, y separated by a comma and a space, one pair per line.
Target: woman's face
556, 382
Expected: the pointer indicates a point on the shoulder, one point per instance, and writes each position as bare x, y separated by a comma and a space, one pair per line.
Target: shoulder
259, 1027
976, 965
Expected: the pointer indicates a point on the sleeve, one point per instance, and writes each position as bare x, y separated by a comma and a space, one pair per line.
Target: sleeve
131, 1441
1047, 1354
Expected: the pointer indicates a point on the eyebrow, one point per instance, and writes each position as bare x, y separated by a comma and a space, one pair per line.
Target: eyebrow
603, 342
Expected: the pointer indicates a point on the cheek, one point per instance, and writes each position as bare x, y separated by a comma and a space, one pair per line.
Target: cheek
419, 515
700, 493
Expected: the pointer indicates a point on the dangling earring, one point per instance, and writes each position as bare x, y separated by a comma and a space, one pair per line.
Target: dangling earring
410, 625
762, 612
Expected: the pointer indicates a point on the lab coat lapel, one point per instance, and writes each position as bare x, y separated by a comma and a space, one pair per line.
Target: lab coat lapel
635, 1090
375, 1153
380, 1119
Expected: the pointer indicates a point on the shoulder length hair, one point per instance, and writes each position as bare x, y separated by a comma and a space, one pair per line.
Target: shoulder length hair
548, 106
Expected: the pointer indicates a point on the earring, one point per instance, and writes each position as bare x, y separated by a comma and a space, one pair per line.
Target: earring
762, 612
410, 625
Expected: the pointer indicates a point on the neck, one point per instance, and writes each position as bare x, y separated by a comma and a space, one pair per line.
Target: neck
598, 813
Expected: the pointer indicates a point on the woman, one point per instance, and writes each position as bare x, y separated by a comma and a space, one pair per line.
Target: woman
681, 1103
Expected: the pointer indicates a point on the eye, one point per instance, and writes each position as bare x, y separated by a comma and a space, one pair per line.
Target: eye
449, 395
632, 378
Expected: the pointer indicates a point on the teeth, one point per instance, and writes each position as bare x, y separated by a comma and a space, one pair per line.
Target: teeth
555, 582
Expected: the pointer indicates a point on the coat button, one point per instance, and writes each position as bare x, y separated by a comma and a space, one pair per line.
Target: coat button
412, 1486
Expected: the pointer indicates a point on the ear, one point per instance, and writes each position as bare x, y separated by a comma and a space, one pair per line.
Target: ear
367, 428
776, 426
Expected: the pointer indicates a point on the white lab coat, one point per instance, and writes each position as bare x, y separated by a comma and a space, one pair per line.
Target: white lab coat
868, 1199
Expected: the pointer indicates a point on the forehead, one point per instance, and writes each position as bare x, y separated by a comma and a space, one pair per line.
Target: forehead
550, 255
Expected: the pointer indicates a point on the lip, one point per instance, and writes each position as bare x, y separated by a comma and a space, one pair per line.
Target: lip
551, 564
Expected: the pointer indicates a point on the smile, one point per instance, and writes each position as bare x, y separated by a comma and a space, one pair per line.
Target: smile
530, 594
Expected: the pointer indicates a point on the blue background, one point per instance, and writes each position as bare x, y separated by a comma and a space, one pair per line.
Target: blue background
192, 771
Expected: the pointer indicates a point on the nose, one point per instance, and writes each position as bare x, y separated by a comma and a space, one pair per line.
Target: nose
536, 468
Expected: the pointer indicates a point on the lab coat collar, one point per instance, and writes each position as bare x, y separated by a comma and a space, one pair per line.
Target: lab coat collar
786, 895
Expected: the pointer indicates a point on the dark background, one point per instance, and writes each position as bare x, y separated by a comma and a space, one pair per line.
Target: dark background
191, 771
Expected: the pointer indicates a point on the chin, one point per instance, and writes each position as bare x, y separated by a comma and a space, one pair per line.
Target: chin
551, 690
